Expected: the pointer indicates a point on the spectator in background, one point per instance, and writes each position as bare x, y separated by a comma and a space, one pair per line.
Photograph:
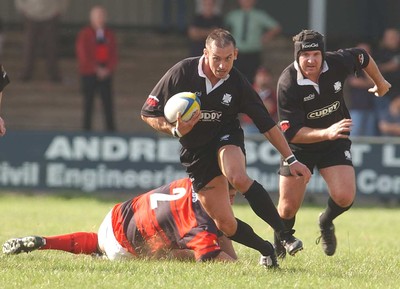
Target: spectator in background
389, 121
167, 20
218, 4
362, 102
388, 60
1, 38
4, 80
252, 28
264, 86
202, 25
41, 21
96, 50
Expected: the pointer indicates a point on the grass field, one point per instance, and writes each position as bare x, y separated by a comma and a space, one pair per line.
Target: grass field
368, 254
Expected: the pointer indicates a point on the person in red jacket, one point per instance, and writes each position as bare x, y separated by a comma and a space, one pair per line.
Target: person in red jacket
96, 50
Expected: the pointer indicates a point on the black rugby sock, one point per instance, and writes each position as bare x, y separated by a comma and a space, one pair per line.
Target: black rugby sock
262, 205
245, 235
289, 224
331, 212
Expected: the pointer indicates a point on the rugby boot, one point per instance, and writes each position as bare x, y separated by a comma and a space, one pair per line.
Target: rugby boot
269, 262
327, 239
290, 242
23, 245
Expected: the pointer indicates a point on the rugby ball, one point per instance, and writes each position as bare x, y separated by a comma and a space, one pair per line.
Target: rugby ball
187, 103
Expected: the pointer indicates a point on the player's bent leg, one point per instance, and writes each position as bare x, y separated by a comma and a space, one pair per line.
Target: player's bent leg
76, 243
27, 244
232, 164
341, 184
227, 246
223, 257
214, 198
108, 244
291, 195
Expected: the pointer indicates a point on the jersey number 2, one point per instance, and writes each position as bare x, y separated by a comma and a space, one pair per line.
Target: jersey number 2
177, 193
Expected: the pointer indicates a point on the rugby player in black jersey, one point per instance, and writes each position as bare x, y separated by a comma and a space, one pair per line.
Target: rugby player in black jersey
213, 144
317, 125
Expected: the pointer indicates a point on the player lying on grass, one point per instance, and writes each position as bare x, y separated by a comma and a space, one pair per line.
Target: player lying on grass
168, 222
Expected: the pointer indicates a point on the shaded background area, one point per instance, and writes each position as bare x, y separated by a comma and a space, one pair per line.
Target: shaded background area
146, 51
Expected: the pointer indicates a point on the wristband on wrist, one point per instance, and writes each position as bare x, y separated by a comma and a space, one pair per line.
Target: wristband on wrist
291, 160
176, 133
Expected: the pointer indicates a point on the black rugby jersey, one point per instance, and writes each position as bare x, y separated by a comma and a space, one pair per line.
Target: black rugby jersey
303, 106
219, 108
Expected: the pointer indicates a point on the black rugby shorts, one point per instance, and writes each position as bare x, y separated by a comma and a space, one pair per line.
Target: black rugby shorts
336, 154
202, 163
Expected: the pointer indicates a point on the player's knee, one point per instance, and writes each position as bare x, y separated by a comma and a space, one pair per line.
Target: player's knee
344, 201
240, 181
227, 226
286, 211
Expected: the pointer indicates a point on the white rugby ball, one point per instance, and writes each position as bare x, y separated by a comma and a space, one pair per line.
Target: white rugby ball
186, 103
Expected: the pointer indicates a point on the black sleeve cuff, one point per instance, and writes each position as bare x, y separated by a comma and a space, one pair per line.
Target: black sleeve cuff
4, 80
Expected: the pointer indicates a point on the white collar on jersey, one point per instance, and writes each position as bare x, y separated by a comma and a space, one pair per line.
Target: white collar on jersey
209, 86
305, 81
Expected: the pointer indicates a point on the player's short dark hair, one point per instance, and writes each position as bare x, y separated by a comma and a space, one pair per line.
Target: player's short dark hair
221, 38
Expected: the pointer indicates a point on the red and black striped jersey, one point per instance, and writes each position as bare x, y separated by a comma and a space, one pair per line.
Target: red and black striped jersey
169, 217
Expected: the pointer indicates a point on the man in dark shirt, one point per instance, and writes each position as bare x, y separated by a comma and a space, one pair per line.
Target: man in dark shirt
317, 124
213, 143
202, 24
4, 80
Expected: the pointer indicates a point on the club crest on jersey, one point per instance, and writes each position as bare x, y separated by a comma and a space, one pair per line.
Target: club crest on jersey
226, 99
337, 86
311, 96
285, 125
347, 155
198, 93
152, 100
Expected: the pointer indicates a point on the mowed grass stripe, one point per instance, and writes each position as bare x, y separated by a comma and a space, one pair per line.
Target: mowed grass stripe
368, 254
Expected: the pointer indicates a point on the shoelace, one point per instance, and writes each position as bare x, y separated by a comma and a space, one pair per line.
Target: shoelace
328, 236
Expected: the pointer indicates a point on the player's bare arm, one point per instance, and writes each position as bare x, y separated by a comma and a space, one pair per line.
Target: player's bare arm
162, 125
158, 123
381, 85
226, 246
307, 135
276, 138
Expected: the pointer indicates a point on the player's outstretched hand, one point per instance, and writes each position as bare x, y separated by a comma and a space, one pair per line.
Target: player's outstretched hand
341, 129
380, 89
2, 127
299, 170
185, 127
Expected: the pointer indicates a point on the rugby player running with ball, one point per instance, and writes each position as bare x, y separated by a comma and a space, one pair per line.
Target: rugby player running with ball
213, 147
